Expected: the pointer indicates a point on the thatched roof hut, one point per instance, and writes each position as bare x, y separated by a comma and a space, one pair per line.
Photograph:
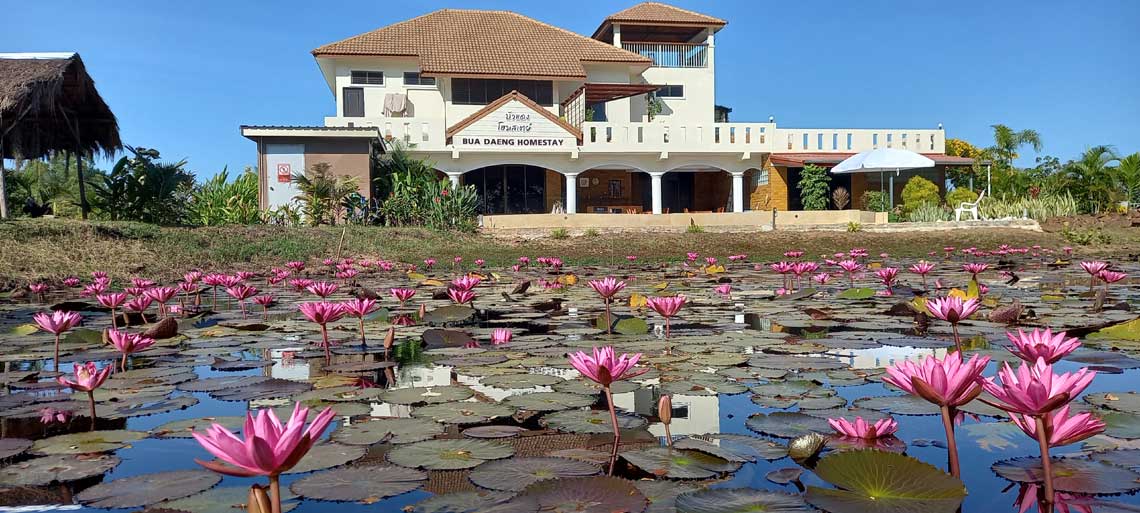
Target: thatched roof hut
49, 103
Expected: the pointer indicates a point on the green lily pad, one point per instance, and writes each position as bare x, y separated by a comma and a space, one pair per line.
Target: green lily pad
494, 431
86, 442
1125, 458
147, 489
460, 502
898, 405
786, 424
550, 401
10, 447
394, 431
597, 494
1120, 424
1129, 331
225, 499
679, 463
1128, 402
856, 293
738, 500
57, 468
367, 484
1073, 475
454, 454
590, 421
183, 428
623, 325
735, 447
464, 412
514, 381
662, 494
427, 395
518, 473
328, 455
872, 481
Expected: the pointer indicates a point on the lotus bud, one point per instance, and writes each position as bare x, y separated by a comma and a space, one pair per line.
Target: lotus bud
390, 338
258, 501
665, 413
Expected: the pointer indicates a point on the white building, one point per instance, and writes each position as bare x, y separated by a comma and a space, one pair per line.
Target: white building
537, 117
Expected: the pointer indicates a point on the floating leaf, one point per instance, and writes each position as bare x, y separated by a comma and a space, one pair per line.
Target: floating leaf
738, 500
1073, 475
87, 442
58, 468
366, 484
464, 412
577, 495
452, 454
883, 482
786, 424
550, 401
395, 431
856, 293
426, 395
146, 489
460, 502
590, 421
224, 499
518, 473
1129, 331
679, 463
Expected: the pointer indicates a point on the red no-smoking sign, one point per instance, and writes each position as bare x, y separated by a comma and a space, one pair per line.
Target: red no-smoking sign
284, 172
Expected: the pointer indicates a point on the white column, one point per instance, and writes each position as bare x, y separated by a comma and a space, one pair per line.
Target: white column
454, 176
655, 181
571, 193
617, 35
738, 191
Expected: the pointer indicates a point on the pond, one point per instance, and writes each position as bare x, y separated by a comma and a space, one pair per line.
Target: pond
438, 418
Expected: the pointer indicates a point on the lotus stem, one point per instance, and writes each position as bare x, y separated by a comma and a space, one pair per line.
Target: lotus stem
951, 443
275, 494
114, 323
265, 312
668, 436
214, 301
957, 341
617, 432
362, 341
924, 282
123, 365
56, 360
1046, 464
609, 322
325, 342
91, 403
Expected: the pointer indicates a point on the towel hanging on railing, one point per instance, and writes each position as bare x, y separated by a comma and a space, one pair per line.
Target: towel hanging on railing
395, 103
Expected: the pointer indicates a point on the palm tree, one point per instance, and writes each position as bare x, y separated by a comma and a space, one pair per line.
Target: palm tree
1094, 179
1008, 140
1129, 172
322, 193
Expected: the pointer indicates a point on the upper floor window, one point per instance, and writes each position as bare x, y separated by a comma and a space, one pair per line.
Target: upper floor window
671, 91
480, 91
368, 77
414, 78
352, 99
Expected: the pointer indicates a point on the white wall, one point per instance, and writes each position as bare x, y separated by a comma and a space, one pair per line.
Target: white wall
425, 101
697, 106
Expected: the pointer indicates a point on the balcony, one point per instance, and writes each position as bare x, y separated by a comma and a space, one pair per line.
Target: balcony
837, 140
672, 55
678, 137
414, 132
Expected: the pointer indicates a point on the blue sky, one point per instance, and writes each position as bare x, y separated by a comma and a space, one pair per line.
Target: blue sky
182, 76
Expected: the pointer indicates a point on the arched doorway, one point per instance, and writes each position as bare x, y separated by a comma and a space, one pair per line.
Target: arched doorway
696, 189
515, 188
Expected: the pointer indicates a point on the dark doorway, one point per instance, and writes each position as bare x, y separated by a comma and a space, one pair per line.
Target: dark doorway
677, 191
509, 189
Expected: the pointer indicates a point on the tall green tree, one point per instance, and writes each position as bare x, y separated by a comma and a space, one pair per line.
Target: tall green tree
140, 187
1007, 141
1093, 180
1128, 169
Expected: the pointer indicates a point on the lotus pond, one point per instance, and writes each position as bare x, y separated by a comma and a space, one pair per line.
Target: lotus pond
432, 415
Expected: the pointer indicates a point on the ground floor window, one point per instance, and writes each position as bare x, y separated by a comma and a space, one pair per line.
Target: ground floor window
510, 189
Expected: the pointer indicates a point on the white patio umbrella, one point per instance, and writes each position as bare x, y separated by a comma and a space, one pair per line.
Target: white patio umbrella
881, 161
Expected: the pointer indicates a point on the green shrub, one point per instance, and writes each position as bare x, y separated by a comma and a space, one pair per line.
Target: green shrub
591, 232
694, 228
960, 195
928, 213
1086, 237
815, 183
559, 234
854, 226
875, 201
1040, 209
920, 191
218, 201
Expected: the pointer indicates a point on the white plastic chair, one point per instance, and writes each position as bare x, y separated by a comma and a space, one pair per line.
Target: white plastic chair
968, 206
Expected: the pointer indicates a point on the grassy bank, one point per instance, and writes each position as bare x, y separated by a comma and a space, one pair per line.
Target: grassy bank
57, 248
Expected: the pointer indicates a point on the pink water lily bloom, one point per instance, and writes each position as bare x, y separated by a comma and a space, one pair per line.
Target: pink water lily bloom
269, 447
862, 429
402, 294
467, 283
323, 289
666, 307
87, 377
461, 297
358, 307
975, 268
887, 275
1061, 428
1094, 267
1108, 276
1042, 344
58, 321
322, 312
946, 382
501, 336
952, 309
604, 367
723, 289
127, 343
1034, 389
607, 287
821, 278
793, 254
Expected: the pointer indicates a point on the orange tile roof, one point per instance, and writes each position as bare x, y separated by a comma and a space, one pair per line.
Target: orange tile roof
465, 42
658, 13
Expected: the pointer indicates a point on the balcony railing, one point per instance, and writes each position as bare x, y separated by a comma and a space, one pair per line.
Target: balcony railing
837, 140
686, 137
413, 132
672, 55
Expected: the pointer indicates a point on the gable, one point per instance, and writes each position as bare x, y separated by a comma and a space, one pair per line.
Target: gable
514, 122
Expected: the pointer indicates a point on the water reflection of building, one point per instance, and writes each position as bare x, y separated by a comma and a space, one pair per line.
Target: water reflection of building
287, 366
692, 414
884, 356
408, 376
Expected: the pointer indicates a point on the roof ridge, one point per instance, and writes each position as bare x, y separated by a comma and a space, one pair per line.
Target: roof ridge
385, 27
669, 6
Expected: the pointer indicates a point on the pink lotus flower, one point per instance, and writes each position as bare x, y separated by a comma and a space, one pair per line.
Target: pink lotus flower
887, 275
501, 336
793, 254
631, 258
479, 262
861, 429
264, 300
922, 268
1041, 344
821, 278
604, 367
1094, 267
346, 275
466, 283
50, 415
57, 323
723, 289
975, 268
88, 377
1061, 428
39, 289
100, 275
71, 282
112, 300
269, 449
710, 261
851, 267
461, 297
947, 382
1034, 389
525, 261
241, 293
953, 310
322, 313
359, 308
296, 266
139, 304
735, 258
142, 283
402, 295
300, 284
429, 263
666, 307
192, 276
127, 343
1109, 277
692, 256
323, 289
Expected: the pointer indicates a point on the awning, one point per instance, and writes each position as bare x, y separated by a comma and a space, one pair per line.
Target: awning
831, 159
599, 92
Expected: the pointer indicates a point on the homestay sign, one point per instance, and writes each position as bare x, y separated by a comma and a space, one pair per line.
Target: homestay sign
514, 126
